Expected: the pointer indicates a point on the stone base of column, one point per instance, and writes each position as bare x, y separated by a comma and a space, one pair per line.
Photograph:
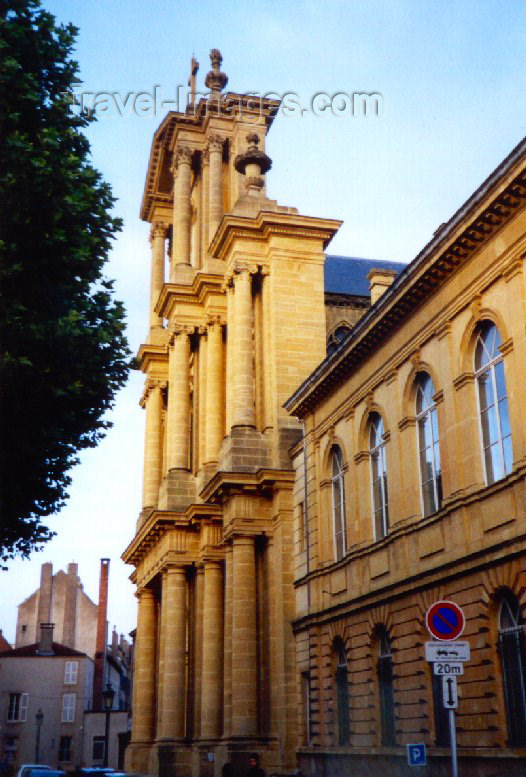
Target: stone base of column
143, 517
177, 490
287, 437
183, 273
175, 759
244, 450
157, 335
206, 474
138, 758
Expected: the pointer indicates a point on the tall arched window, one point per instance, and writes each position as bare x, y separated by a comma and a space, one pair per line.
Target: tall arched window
428, 445
378, 476
342, 691
512, 651
338, 504
493, 404
385, 688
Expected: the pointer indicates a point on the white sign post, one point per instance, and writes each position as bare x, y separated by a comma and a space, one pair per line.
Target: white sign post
445, 622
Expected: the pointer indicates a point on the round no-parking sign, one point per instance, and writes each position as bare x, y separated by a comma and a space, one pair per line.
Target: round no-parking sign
445, 620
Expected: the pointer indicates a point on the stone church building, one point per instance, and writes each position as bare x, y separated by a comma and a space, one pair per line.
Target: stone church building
269, 608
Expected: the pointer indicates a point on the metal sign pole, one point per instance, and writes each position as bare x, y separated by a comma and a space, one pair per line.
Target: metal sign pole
453, 738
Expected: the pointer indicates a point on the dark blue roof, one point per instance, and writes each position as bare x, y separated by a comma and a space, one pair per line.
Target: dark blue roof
348, 274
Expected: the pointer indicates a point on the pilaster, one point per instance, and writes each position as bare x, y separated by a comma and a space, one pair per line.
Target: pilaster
215, 205
211, 682
158, 234
244, 650
174, 621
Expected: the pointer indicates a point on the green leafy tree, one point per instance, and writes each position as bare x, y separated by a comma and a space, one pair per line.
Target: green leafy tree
63, 351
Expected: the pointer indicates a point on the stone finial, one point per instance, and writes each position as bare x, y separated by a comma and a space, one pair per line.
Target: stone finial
216, 80
254, 163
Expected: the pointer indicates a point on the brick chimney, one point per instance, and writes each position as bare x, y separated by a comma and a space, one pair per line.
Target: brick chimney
45, 646
100, 644
70, 607
44, 596
379, 281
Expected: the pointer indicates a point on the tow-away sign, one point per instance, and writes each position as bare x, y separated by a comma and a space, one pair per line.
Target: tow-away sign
447, 651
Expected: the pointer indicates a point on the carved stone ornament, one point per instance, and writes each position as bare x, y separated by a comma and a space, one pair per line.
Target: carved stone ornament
243, 266
214, 143
215, 79
253, 155
158, 229
183, 155
179, 329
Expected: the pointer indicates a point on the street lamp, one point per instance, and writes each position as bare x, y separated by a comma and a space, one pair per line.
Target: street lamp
108, 695
39, 717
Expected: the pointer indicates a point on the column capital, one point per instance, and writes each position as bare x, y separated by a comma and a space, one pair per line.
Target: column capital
158, 229
145, 594
182, 156
172, 569
179, 329
244, 266
214, 319
205, 157
214, 143
149, 386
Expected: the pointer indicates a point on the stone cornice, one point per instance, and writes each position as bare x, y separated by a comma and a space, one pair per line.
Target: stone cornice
498, 199
202, 285
149, 355
264, 479
268, 224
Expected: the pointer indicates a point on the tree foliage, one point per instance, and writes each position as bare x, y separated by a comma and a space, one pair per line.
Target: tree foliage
63, 351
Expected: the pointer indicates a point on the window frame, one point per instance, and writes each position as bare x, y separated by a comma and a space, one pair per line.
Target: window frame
341, 677
489, 368
426, 415
338, 483
513, 639
71, 669
386, 695
380, 451
69, 703
17, 707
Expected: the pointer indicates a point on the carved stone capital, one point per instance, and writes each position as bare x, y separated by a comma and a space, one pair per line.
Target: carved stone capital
158, 229
214, 143
183, 156
177, 330
149, 386
214, 319
242, 266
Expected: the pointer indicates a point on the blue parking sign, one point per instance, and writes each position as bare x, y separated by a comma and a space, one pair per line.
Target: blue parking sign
416, 754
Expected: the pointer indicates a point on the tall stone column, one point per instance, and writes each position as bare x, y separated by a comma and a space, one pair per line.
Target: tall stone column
205, 200
211, 678
230, 358
158, 235
215, 201
178, 413
227, 649
182, 212
244, 652
214, 391
153, 403
201, 388
144, 671
244, 408
174, 643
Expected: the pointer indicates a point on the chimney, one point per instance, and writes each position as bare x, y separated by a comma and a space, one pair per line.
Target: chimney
379, 281
70, 607
100, 644
44, 596
45, 647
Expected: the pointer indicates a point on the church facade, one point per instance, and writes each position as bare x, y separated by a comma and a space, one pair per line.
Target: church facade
283, 614
239, 319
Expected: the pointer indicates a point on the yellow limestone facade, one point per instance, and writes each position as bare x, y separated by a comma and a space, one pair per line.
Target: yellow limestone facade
415, 454
237, 322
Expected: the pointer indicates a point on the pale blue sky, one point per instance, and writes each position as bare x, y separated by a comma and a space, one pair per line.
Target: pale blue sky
453, 82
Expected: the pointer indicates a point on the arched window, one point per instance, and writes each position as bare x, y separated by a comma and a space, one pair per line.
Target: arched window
512, 651
342, 691
338, 336
338, 504
428, 445
378, 476
385, 688
493, 404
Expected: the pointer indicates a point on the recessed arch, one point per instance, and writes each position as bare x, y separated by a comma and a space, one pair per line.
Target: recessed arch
469, 336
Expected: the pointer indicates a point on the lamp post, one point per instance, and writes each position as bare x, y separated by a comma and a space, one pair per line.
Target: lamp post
39, 717
108, 695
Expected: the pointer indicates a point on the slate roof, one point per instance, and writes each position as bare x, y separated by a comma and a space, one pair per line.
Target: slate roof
32, 651
348, 274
